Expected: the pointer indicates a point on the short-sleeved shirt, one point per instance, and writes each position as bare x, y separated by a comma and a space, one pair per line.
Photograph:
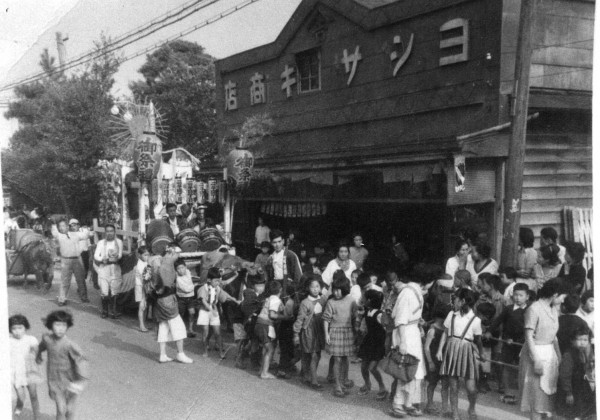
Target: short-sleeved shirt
185, 285
491, 267
262, 234
543, 320
212, 296
460, 323
273, 303
358, 255
139, 272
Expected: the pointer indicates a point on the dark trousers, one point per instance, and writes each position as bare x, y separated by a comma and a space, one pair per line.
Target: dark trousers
285, 336
85, 256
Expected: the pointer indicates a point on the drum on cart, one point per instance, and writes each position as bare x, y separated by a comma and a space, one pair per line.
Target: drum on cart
159, 235
210, 239
188, 240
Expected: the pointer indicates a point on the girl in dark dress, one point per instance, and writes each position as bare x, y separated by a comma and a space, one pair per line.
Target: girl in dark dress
573, 271
372, 348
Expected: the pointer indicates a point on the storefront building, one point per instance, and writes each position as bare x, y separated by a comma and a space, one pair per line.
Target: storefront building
388, 120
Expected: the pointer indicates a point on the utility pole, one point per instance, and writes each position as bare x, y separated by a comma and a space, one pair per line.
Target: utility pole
516, 149
62, 51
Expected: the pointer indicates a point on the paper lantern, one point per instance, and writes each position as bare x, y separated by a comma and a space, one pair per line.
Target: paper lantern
147, 156
213, 190
240, 162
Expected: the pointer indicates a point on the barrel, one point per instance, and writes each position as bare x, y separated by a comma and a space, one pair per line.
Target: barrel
210, 239
159, 235
188, 240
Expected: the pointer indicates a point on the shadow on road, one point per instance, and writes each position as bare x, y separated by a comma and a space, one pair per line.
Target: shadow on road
110, 340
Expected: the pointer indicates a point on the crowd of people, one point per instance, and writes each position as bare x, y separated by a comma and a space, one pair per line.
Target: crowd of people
418, 322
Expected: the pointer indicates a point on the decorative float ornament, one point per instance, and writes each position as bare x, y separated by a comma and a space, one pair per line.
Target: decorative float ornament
191, 192
212, 190
178, 190
200, 188
240, 162
147, 153
130, 121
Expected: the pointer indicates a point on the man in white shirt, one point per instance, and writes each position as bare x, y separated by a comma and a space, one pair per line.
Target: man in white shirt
107, 258
174, 221
70, 261
261, 234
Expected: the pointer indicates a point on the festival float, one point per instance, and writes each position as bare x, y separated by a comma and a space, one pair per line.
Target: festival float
144, 179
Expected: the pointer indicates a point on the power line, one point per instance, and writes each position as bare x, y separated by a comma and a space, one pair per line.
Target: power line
82, 59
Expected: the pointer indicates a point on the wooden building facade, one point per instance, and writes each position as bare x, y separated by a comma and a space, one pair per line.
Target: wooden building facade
375, 103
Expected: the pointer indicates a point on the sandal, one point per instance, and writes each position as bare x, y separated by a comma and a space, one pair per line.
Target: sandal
348, 384
472, 416
508, 399
339, 393
413, 411
364, 390
316, 386
397, 413
381, 395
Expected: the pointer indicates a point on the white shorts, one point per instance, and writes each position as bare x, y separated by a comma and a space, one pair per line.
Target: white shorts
171, 330
208, 318
139, 293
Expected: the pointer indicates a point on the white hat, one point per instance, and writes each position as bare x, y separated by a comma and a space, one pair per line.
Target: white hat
73, 222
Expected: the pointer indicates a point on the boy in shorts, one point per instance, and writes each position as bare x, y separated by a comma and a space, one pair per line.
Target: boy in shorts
185, 295
208, 315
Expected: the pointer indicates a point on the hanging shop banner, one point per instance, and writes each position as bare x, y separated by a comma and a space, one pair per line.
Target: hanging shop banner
240, 162
293, 210
459, 173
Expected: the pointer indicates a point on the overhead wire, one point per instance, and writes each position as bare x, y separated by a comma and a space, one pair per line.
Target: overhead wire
148, 30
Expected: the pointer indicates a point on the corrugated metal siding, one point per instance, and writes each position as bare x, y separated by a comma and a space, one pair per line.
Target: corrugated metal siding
557, 173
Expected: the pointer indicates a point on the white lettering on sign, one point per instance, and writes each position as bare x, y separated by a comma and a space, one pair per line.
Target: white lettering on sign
405, 52
288, 80
351, 62
231, 96
257, 89
454, 41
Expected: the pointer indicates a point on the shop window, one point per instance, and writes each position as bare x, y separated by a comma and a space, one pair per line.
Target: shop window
309, 70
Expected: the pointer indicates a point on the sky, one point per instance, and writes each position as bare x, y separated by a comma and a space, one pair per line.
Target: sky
29, 26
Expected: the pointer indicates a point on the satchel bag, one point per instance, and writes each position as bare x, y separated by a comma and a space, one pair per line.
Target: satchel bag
400, 366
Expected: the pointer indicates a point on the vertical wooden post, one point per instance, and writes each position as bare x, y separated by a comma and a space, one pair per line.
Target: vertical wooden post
142, 211
516, 150
498, 209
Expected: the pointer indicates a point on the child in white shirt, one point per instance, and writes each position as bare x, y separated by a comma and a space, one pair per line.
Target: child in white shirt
140, 295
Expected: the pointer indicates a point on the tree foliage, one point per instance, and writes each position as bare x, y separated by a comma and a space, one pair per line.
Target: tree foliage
64, 131
180, 80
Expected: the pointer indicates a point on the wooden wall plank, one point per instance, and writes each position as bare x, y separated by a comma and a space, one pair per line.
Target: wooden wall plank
571, 180
556, 193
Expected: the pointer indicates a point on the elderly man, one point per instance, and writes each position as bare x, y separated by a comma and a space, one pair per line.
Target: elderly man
107, 258
70, 261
